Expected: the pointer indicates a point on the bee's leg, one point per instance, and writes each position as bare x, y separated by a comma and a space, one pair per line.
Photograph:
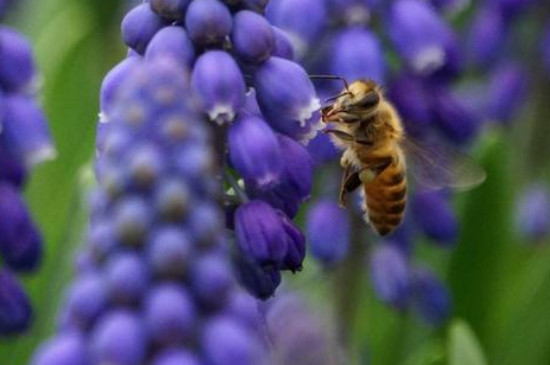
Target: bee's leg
350, 182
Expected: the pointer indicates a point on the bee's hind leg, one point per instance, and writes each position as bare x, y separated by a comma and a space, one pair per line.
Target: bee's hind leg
350, 182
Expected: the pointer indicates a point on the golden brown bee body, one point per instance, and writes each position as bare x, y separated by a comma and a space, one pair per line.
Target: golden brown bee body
369, 130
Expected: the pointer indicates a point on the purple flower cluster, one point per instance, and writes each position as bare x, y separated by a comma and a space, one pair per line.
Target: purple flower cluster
262, 106
24, 142
155, 283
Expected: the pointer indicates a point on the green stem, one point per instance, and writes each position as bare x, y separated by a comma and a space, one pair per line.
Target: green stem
347, 282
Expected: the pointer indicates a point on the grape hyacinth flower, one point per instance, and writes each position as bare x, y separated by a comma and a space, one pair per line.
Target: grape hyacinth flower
533, 212
158, 284
262, 106
24, 143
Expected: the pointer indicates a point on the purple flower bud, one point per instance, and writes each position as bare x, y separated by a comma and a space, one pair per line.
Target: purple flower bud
507, 92
208, 22
170, 253
226, 342
435, 217
296, 246
545, 45
212, 280
420, 35
450, 7
245, 307
454, 118
390, 275
533, 212
12, 169
287, 98
411, 97
253, 37
176, 357
295, 183
26, 131
486, 36
511, 8
170, 315
254, 151
328, 230
357, 54
113, 80
127, 278
132, 220
86, 301
218, 82
431, 298
15, 309
289, 15
145, 166
172, 42
261, 282
139, 26
67, 349
260, 233
16, 61
172, 200
205, 223
20, 242
102, 239
170, 9
119, 338
283, 45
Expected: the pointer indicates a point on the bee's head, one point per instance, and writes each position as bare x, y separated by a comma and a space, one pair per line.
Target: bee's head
365, 96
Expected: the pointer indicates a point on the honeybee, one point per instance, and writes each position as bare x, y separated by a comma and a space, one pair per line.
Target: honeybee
376, 154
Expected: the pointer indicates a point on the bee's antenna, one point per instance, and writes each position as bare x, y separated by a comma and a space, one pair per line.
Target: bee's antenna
337, 96
331, 77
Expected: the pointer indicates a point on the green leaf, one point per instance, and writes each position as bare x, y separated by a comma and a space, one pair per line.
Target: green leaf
464, 348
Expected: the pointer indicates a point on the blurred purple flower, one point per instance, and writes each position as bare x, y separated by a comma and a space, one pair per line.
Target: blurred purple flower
533, 212
391, 275
328, 232
435, 217
431, 298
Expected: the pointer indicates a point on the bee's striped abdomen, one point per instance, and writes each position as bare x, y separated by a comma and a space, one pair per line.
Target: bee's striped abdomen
386, 198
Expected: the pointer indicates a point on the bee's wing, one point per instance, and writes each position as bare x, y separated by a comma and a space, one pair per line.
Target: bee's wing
438, 166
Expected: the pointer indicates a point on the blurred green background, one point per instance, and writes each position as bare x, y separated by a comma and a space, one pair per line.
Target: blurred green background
500, 285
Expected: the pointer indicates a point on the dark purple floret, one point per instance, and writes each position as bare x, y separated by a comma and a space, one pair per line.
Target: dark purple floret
174, 42
170, 9
17, 68
219, 84
486, 36
15, 308
20, 241
261, 282
140, 26
253, 37
254, 151
208, 22
431, 298
260, 233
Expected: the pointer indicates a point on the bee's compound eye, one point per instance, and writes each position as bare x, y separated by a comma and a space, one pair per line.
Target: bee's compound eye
370, 100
